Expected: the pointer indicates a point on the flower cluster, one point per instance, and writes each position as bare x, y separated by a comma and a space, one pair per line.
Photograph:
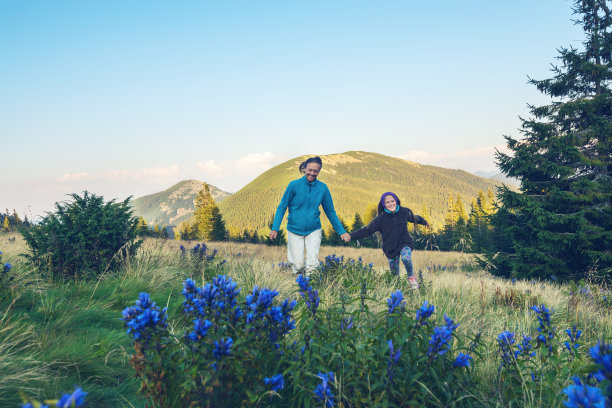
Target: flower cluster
396, 301
547, 332
525, 349
424, 313
505, 342
601, 354
144, 320
462, 360
440, 340
276, 382
223, 348
263, 316
323, 390
394, 356
310, 295
583, 395
573, 334
213, 300
335, 264
76, 399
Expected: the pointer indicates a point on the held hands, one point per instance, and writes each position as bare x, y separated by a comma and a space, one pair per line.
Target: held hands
346, 237
273, 235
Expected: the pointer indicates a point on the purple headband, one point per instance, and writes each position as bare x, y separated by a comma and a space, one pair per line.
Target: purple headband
382, 198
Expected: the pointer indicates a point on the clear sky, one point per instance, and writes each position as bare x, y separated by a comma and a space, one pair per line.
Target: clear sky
130, 97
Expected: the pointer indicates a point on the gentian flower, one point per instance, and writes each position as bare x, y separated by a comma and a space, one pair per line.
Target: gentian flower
310, 295
424, 313
394, 356
583, 396
601, 354
76, 399
323, 390
396, 301
223, 348
462, 360
505, 342
144, 320
439, 342
276, 382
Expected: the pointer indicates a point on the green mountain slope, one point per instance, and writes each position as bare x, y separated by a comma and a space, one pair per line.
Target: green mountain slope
356, 180
171, 206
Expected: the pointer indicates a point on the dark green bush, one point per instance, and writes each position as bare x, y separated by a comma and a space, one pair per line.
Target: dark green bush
83, 237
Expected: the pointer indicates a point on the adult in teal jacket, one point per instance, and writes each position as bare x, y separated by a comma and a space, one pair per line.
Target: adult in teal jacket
303, 198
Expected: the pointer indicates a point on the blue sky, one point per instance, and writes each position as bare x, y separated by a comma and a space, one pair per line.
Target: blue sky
130, 97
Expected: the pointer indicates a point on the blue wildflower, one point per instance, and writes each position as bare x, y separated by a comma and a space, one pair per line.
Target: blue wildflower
525, 349
424, 313
450, 323
439, 342
394, 356
76, 399
601, 354
505, 342
346, 323
582, 396
547, 332
323, 390
144, 320
7, 267
223, 348
573, 334
396, 301
259, 302
462, 360
310, 295
276, 382
199, 331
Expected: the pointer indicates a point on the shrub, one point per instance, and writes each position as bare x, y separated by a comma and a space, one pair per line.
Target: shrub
82, 236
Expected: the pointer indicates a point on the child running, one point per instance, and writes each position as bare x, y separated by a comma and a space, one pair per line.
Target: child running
392, 222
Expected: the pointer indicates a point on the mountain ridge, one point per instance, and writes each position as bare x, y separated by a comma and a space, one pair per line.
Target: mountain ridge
356, 180
173, 205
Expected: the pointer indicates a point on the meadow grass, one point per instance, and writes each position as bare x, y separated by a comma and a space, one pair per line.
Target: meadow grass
55, 335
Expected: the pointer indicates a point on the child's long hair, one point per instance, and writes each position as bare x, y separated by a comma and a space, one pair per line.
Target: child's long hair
315, 159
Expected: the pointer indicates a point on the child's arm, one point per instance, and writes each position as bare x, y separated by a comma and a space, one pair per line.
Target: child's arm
417, 219
367, 230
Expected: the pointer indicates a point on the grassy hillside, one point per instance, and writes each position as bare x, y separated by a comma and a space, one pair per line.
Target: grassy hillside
171, 206
356, 180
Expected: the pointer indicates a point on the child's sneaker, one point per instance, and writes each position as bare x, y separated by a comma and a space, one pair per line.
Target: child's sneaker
413, 282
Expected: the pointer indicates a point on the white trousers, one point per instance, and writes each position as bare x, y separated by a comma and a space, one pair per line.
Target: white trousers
296, 244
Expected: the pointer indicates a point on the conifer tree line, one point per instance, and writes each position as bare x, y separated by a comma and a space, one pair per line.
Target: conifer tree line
11, 221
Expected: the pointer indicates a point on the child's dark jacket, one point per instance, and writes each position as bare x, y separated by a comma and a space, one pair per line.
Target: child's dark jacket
394, 230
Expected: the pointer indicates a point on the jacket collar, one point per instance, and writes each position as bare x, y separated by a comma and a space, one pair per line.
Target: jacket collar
308, 182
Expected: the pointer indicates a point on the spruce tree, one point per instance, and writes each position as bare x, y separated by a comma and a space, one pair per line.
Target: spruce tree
560, 222
203, 214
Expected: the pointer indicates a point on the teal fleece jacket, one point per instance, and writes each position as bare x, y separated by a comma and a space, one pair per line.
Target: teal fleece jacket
303, 200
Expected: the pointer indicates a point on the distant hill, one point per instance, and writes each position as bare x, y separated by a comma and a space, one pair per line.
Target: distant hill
511, 182
173, 205
356, 179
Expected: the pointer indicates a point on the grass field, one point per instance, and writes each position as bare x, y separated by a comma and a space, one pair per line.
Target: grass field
55, 335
